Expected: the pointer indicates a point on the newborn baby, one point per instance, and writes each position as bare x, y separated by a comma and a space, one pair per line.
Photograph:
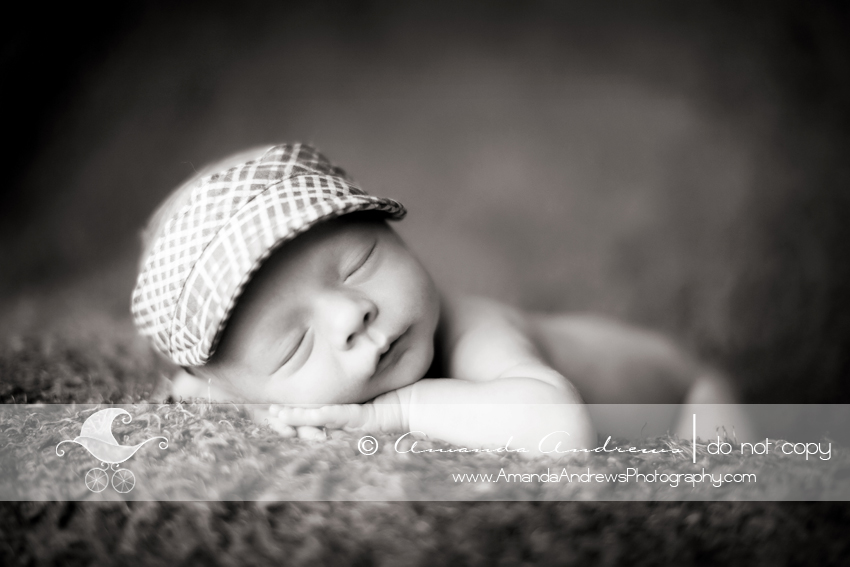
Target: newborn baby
272, 278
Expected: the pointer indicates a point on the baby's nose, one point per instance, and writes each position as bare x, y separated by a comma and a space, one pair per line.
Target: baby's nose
351, 317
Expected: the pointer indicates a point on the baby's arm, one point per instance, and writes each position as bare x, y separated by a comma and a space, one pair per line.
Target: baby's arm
514, 411
506, 387
501, 390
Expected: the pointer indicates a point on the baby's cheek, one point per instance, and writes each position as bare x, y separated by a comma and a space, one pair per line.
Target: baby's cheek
345, 392
332, 384
430, 307
416, 362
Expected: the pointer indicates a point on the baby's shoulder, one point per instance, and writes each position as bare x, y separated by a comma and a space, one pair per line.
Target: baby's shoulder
481, 336
463, 313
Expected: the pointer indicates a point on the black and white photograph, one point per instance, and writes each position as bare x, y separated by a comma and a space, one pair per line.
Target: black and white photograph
426, 283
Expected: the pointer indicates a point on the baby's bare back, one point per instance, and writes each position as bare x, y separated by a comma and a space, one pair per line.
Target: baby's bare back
605, 360
611, 362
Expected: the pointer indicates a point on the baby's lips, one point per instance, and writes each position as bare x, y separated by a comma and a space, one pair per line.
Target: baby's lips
380, 340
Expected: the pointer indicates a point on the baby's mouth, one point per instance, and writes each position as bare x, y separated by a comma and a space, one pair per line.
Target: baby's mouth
385, 358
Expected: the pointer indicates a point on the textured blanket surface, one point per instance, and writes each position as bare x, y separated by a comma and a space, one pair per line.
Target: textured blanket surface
216, 451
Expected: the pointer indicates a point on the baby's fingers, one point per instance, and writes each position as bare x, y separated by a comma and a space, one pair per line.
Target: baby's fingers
311, 433
302, 432
282, 428
333, 417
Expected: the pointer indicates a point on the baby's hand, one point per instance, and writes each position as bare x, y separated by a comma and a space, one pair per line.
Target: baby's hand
303, 432
285, 430
362, 417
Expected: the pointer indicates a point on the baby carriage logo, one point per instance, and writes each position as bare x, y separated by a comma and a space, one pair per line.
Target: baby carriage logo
96, 436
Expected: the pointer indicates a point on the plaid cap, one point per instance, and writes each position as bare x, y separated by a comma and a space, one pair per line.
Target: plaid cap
209, 247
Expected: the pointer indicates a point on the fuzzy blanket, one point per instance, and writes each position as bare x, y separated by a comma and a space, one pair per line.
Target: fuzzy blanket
347, 513
216, 452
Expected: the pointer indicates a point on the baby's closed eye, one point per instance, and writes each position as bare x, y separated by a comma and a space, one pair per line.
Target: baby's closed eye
298, 354
360, 260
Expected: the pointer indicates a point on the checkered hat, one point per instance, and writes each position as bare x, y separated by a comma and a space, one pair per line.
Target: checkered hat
207, 249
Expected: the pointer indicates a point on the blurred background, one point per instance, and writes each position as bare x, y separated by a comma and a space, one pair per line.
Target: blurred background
682, 166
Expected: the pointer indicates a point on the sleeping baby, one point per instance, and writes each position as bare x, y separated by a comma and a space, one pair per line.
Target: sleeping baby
272, 278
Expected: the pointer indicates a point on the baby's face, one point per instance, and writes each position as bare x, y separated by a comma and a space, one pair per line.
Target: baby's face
341, 314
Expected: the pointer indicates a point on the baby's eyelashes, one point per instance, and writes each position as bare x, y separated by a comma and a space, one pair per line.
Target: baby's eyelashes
362, 261
298, 354
292, 350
